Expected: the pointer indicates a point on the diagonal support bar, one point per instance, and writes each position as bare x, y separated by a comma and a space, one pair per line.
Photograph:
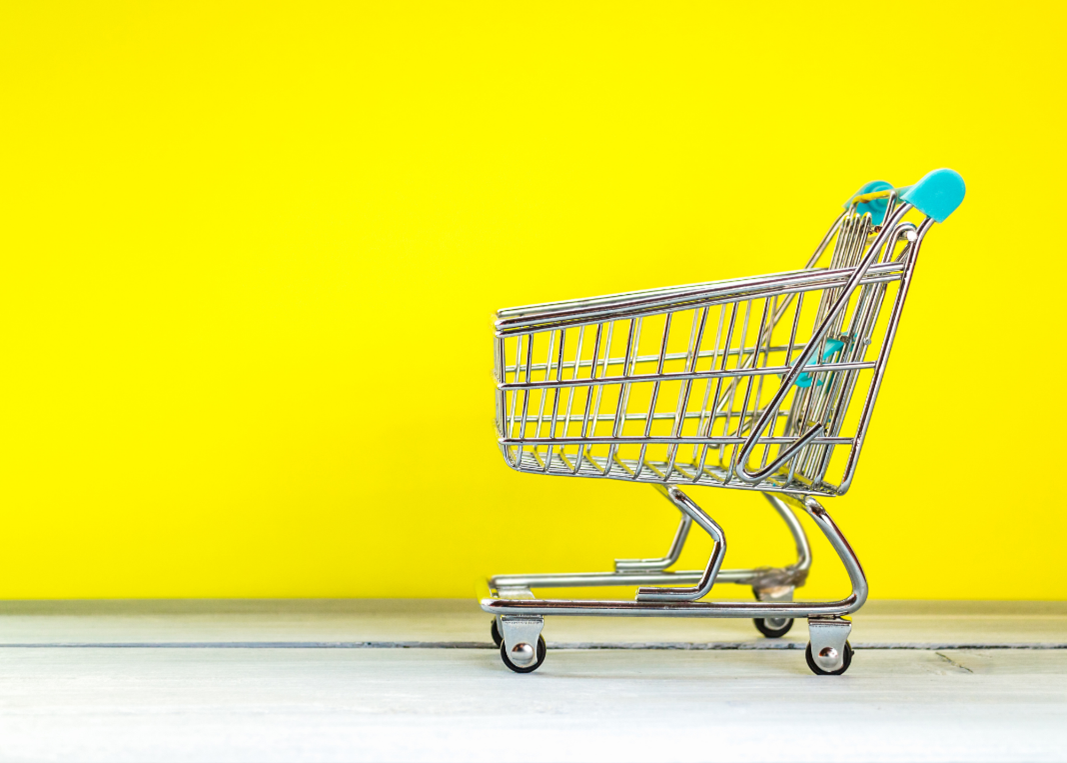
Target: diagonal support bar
675, 551
686, 505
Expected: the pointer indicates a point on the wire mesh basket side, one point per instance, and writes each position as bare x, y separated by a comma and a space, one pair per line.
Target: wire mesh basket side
669, 396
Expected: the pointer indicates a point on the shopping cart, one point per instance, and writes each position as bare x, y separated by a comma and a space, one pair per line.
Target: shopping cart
742, 384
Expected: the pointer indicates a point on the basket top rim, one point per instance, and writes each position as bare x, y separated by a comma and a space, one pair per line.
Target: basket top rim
583, 311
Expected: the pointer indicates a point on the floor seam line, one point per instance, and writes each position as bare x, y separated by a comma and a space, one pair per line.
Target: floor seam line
953, 663
574, 646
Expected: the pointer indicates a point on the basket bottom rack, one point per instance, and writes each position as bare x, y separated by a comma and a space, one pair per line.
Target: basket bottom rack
518, 616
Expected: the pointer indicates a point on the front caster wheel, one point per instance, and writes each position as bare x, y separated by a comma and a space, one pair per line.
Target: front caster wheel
495, 633
845, 661
773, 627
523, 655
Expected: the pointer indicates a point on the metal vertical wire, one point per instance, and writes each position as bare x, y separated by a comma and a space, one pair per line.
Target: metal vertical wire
570, 401
624, 391
734, 385
660, 362
515, 378
584, 428
544, 396
792, 427
525, 395
759, 388
696, 337
702, 429
751, 380
719, 401
555, 397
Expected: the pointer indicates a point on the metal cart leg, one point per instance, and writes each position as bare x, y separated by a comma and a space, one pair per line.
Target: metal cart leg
522, 646
703, 587
829, 652
663, 562
653, 572
781, 586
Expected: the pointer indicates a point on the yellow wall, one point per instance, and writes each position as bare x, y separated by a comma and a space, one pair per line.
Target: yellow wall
250, 253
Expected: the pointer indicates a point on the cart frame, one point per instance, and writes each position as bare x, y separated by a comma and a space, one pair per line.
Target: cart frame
822, 379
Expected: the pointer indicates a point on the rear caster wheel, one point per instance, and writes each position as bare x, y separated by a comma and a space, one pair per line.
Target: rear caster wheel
846, 660
495, 633
773, 627
525, 660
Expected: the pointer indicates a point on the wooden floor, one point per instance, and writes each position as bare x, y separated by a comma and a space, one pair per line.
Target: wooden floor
417, 680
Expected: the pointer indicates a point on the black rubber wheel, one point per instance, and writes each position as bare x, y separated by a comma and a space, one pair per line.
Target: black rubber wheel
768, 631
495, 633
819, 671
542, 650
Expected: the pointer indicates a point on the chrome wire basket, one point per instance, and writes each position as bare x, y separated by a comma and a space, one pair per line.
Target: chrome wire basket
764, 384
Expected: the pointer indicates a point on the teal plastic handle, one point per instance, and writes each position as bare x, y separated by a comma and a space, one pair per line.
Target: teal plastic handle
833, 346
876, 207
937, 195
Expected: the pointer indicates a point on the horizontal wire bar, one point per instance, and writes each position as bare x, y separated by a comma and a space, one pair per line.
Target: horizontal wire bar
671, 416
715, 441
649, 358
738, 289
545, 321
639, 378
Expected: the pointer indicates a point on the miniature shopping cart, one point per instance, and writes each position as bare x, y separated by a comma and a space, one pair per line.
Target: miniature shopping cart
746, 384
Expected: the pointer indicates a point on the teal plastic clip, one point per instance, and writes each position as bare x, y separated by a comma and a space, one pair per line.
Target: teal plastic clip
833, 346
877, 207
937, 195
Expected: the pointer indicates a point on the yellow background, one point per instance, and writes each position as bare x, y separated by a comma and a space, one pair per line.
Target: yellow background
250, 254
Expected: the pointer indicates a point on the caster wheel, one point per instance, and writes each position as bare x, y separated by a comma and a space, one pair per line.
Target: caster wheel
542, 649
819, 671
773, 627
495, 633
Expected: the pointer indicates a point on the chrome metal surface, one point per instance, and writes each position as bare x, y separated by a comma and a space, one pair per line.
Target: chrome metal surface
745, 384
705, 384
523, 653
779, 593
520, 634
703, 587
663, 562
784, 609
827, 636
518, 586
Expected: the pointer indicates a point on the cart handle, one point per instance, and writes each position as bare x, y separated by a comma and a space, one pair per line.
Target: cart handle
937, 196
